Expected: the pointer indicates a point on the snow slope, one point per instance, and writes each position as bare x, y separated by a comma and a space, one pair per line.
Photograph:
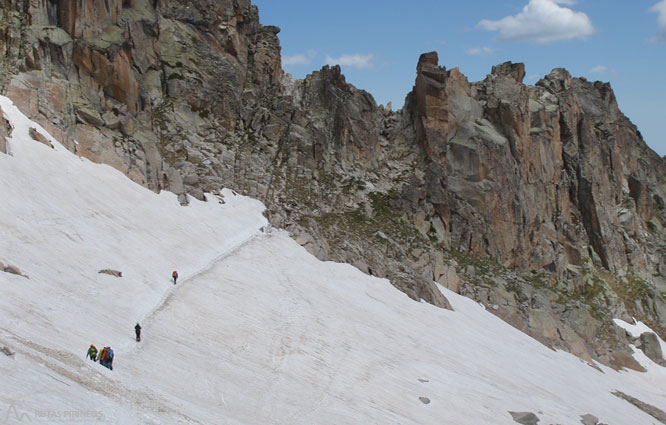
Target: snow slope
257, 331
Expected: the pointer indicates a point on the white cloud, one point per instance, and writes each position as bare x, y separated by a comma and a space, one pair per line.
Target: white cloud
480, 51
602, 69
299, 59
660, 10
599, 69
352, 61
542, 21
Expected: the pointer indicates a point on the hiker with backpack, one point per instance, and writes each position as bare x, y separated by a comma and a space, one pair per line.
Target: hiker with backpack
137, 331
92, 352
174, 275
102, 356
106, 358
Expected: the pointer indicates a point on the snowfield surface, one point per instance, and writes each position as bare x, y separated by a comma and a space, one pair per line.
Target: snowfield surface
256, 331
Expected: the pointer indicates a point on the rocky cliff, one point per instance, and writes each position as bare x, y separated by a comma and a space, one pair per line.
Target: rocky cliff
542, 202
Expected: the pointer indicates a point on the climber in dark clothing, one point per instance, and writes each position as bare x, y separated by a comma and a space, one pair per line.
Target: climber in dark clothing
174, 275
137, 330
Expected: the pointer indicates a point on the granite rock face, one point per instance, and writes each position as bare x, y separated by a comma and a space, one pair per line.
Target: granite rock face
121, 77
548, 170
542, 202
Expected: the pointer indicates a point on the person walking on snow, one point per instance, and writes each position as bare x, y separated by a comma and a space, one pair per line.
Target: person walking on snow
102, 354
92, 352
137, 330
106, 358
109, 358
174, 275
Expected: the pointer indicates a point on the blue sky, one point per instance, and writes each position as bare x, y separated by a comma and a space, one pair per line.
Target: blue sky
378, 44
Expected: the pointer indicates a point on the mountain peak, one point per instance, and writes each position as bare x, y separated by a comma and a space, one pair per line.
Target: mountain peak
509, 69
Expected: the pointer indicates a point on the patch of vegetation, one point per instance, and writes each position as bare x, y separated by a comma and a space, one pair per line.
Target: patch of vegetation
591, 292
389, 218
515, 287
540, 280
352, 184
159, 120
299, 189
634, 288
629, 290
484, 266
358, 223
329, 181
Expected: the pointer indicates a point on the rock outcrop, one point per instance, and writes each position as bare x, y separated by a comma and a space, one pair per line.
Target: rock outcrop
525, 418
649, 344
8, 268
542, 202
111, 272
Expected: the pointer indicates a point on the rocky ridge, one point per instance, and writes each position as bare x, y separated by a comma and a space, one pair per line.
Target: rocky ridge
542, 202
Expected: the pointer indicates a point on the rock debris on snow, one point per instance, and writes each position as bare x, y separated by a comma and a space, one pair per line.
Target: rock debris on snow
589, 420
525, 418
111, 272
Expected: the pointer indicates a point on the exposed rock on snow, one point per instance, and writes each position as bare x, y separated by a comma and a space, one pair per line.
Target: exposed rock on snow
589, 420
525, 418
115, 273
7, 352
13, 270
653, 411
36, 135
650, 345
5, 129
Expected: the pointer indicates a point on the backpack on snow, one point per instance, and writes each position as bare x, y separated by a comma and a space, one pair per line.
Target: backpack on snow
109, 355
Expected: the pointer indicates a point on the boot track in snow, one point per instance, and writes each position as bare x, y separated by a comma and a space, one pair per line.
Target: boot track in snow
169, 293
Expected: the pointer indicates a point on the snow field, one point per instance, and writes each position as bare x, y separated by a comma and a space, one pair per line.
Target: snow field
257, 331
